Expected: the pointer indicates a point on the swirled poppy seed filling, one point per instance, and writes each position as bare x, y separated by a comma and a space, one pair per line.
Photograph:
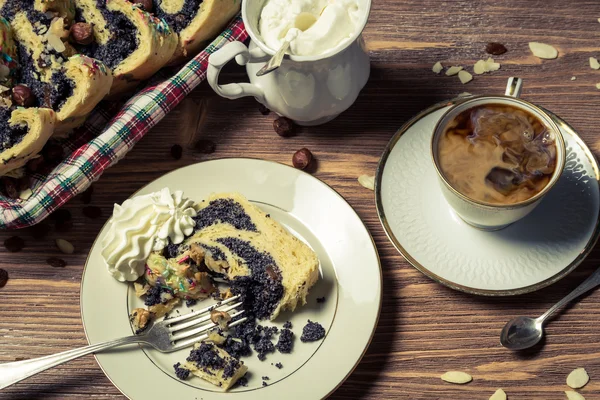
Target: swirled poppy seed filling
9, 135
122, 43
51, 94
182, 18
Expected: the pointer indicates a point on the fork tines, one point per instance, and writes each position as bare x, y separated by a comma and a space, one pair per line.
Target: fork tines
195, 326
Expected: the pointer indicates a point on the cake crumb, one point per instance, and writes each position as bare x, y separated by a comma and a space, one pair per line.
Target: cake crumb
321, 300
180, 372
312, 331
287, 325
279, 365
265, 384
265, 378
286, 341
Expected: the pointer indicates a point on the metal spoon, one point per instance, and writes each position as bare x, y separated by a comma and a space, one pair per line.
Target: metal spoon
524, 332
303, 21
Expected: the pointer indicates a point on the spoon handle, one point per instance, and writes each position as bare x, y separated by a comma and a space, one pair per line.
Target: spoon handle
588, 284
275, 61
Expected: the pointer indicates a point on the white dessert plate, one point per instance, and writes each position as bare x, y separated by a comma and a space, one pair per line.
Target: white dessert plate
350, 281
533, 253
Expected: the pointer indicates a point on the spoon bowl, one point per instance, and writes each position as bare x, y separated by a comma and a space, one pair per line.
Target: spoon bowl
521, 333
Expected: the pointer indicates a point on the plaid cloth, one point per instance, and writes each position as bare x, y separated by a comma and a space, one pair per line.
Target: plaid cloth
98, 144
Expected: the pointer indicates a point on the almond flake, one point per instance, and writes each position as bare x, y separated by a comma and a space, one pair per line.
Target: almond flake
25, 194
498, 395
65, 246
457, 377
55, 42
594, 63
464, 94
571, 395
479, 67
543, 50
578, 378
491, 65
437, 67
453, 71
367, 181
465, 77
573, 78
598, 86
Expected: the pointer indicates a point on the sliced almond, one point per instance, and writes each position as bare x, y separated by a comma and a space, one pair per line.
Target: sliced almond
453, 71
573, 78
594, 64
498, 395
437, 67
367, 181
25, 194
543, 50
55, 42
571, 395
457, 377
65, 246
465, 77
464, 94
491, 65
598, 86
578, 378
479, 67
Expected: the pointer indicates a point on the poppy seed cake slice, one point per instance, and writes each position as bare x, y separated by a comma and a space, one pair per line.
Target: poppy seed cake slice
268, 266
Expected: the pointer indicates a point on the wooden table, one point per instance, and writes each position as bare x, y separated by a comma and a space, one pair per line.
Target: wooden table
425, 329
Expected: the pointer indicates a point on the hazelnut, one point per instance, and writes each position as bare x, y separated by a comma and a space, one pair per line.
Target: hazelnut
283, 126
220, 318
145, 5
495, 48
302, 158
22, 96
140, 318
82, 33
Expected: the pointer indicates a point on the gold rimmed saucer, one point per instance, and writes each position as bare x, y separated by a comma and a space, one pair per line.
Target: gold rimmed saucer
531, 254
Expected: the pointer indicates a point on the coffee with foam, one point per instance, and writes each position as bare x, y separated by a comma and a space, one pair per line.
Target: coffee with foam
498, 154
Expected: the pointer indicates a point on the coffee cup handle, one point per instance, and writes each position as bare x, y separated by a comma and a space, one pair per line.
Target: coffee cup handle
217, 61
514, 87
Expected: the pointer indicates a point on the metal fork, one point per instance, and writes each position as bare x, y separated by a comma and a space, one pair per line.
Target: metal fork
166, 336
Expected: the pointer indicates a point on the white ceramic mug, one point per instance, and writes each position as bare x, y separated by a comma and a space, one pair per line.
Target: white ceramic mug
310, 90
483, 215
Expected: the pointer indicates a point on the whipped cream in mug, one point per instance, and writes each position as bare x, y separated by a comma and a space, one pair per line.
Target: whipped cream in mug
313, 26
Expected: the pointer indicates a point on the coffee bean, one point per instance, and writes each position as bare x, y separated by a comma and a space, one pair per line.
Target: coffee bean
3, 277
283, 126
53, 152
263, 109
10, 187
35, 164
56, 262
14, 244
64, 227
86, 197
176, 152
61, 215
205, 146
92, 212
495, 48
40, 231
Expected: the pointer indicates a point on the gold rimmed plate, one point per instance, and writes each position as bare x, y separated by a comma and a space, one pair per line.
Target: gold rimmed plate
350, 281
531, 254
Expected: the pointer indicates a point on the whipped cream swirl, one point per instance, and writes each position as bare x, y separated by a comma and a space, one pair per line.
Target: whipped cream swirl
144, 224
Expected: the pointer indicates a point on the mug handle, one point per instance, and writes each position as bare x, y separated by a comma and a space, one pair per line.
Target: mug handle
217, 61
514, 87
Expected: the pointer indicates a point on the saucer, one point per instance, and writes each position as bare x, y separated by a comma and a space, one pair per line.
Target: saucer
528, 255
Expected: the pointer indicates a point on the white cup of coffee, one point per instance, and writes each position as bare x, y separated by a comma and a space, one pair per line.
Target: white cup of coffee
496, 157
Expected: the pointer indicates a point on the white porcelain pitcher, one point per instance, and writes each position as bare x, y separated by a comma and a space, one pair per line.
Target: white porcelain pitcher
310, 90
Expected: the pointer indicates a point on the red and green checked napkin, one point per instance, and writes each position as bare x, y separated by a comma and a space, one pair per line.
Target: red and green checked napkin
100, 143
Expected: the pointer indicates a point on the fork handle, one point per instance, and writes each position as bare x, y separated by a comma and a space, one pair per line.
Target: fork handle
14, 372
